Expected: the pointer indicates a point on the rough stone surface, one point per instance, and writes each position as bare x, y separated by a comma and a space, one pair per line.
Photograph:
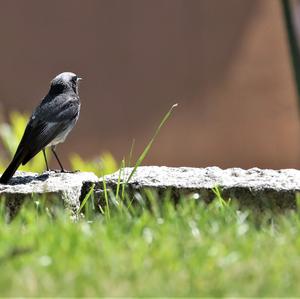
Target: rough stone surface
253, 187
69, 187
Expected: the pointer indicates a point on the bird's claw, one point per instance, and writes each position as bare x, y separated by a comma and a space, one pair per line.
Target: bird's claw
68, 171
61, 171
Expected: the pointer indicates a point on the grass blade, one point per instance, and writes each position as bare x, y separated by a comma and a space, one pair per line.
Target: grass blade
148, 147
119, 178
107, 211
86, 198
131, 152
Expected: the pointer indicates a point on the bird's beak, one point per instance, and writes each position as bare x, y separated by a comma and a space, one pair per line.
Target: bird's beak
79, 79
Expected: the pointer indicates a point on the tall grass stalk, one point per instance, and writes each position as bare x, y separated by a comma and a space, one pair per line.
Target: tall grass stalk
107, 211
119, 177
149, 145
131, 152
88, 195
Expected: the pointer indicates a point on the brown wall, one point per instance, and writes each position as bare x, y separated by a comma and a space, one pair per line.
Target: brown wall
225, 62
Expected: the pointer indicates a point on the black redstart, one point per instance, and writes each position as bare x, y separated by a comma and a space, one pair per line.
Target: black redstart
49, 124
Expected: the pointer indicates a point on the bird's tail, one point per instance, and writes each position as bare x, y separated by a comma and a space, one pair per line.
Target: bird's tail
12, 168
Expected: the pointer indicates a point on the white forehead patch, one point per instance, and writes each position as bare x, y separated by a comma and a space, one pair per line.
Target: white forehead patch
66, 76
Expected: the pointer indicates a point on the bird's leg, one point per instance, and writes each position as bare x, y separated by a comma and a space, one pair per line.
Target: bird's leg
45, 157
53, 151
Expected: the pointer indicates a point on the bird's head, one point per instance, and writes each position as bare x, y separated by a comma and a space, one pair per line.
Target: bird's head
64, 82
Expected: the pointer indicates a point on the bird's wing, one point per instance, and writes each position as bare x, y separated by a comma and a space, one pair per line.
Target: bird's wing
45, 124
62, 108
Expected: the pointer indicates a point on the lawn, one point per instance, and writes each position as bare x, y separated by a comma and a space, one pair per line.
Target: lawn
158, 249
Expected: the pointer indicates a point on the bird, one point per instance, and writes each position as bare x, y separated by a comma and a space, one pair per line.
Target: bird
50, 123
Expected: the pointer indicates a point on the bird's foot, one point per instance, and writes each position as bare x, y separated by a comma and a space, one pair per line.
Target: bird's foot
68, 171
60, 171
53, 171
48, 171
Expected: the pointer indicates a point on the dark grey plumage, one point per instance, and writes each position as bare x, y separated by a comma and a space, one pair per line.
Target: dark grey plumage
50, 123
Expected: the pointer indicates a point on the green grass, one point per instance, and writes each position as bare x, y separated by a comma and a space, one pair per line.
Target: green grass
164, 250
148, 247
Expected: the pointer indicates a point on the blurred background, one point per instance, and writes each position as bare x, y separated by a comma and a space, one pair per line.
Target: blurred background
226, 63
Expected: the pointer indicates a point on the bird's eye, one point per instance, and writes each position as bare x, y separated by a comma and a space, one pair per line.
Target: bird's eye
74, 79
